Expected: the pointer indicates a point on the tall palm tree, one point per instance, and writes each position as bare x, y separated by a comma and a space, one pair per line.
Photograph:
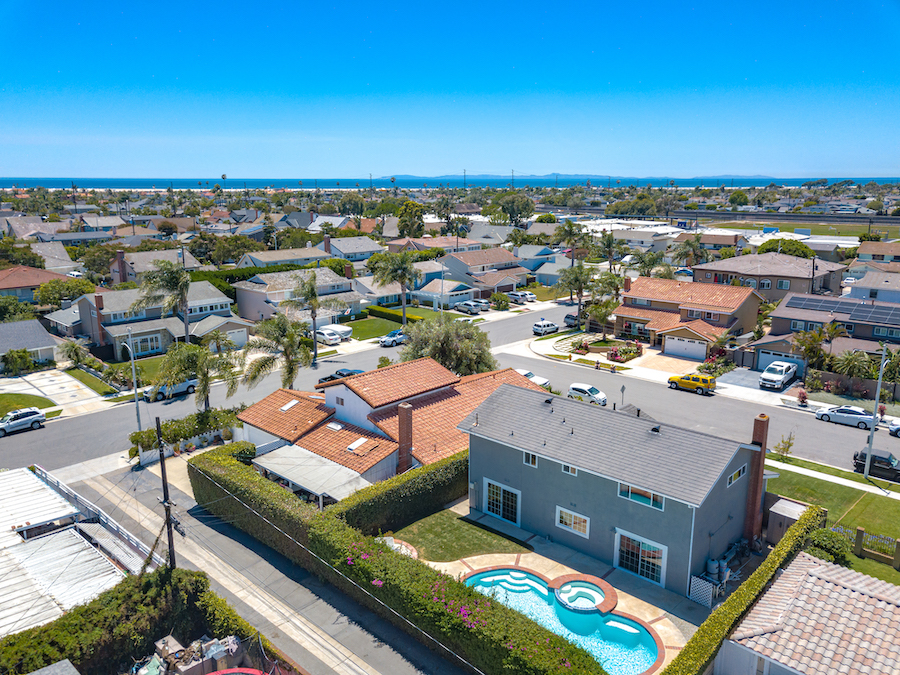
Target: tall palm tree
611, 248
610, 283
854, 364
599, 312
306, 296
570, 233
185, 361
398, 268
832, 331
646, 261
169, 285
219, 340
690, 252
74, 351
576, 280
280, 341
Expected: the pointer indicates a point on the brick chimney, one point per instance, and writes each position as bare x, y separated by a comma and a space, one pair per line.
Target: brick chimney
627, 286
121, 266
348, 271
404, 459
98, 303
327, 243
754, 518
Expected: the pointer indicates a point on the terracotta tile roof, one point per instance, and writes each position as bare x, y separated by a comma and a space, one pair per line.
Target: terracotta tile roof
289, 424
436, 416
818, 617
332, 441
21, 276
395, 383
366, 225
717, 296
487, 256
661, 321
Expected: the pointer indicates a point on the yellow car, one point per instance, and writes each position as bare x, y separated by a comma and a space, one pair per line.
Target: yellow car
698, 382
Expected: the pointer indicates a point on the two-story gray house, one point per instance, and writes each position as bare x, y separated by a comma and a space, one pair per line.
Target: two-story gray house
652, 499
354, 249
491, 270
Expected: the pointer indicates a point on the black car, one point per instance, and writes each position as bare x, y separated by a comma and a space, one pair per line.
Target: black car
883, 465
339, 375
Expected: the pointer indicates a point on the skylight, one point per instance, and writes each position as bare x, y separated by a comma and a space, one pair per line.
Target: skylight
356, 444
290, 404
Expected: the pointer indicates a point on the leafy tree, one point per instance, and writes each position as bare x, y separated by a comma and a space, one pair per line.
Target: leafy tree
546, 218
397, 268
853, 364
411, 219
305, 295
167, 285
829, 546
896, 212
55, 291
738, 198
126, 285
869, 236
351, 204
787, 246
500, 301
516, 206
233, 247
167, 228
690, 252
727, 252
74, 351
17, 361
13, 310
783, 448
18, 255
281, 342
185, 361
578, 280
458, 346
599, 312
876, 205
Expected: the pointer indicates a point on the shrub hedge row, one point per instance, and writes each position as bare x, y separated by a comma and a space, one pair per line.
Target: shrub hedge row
395, 503
394, 314
103, 636
702, 648
493, 637
195, 424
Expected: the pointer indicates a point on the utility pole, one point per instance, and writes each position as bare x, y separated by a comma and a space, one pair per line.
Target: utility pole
464, 179
513, 179
884, 351
165, 500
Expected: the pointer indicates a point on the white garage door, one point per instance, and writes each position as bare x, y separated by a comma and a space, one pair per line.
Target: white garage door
678, 346
239, 337
767, 356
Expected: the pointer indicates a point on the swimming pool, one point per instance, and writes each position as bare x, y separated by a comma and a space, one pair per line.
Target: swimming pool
572, 609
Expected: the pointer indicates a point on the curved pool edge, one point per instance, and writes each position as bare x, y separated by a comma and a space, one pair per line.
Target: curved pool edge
610, 597
660, 646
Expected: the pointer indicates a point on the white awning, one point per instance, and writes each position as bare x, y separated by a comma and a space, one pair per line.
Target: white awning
312, 472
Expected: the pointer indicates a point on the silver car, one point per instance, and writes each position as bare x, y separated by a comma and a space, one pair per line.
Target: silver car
164, 392
846, 414
21, 419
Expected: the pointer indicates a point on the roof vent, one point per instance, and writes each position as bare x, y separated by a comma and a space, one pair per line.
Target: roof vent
656, 430
334, 426
290, 404
355, 445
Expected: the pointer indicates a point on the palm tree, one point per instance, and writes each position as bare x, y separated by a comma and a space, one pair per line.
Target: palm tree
599, 312
169, 285
646, 261
306, 296
186, 361
281, 341
832, 331
853, 364
578, 280
74, 351
398, 268
690, 252
664, 271
810, 344
611, 283
571, 234
610, 248
219, 340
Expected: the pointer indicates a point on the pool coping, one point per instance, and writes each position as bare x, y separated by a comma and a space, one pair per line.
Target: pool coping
610, 601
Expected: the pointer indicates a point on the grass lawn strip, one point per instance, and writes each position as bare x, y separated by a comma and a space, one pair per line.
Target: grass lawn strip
92, 382
840, 473
446, 536
366, 329
559, 334
15, 401
151, 366
838, 499
875, 569
52, 414
877, 514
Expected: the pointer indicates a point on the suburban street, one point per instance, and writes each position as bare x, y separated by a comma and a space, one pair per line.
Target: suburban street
69, 441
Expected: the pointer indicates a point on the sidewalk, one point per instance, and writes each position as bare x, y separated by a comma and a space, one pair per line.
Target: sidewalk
837, 480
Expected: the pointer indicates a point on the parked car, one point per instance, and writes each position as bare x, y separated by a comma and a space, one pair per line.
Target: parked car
894, 428
485, 304
21, 419
698, 382
327, 336
539, 381
543, 327
846, 414
346, 332
883, 464
778, 375
186, 387
517, 297
339, 375
586, 393
627, 260
571, 320
465, 319
394, 338
529, 296
75, 274
684, 271
468, 307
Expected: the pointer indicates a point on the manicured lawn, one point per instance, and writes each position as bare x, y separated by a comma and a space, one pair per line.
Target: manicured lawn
428, 313
831, 471
608, 342
150, 366
838, 499
446, 536
875, 569
544, 293
840, 229
879, 515
90, 381
15, 401
834, 399
366, 329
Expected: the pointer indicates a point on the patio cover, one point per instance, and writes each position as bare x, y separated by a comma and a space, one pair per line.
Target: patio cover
310, 471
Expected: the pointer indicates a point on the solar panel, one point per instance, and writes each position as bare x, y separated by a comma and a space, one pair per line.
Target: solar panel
884, 315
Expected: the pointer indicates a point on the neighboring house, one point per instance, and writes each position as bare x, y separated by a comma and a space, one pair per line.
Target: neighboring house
684, 317
287, 256
30, 335
489, 235
430, 270
548, 273
856, 269
449, 244
492, 270
366, 225
884, 286
76, 238
29, 227
298, 219
105, 319
141, 232
22, 282
774, 275
879, 251
445, 292
645, 238
259, 296
353, 249
532, 257
711, 242
817, 617
132, 266
65, 322
321, 223
365, 428
376, 294
102, 223
862, 318
56, 258
655, 500
825, 250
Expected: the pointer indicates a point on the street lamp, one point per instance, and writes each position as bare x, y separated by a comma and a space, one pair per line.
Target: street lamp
137, 409
884, 351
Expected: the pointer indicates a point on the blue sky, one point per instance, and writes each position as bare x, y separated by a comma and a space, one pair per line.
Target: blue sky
297, 89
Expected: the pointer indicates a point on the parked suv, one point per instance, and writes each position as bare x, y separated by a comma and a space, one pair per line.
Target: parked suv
518, 297
469, 307
392, 339
883, 465
698, 382
186, 387
543, 327
481, 302
21, 419
778, 375
571, 320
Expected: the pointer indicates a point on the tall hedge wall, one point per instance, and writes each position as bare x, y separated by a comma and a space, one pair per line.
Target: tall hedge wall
493, 637
394, 314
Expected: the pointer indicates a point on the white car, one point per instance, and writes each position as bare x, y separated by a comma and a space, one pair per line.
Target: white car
517, 297
24, 418
543, 327
778, 375
328, 337
186, 387
539, 381
587, 393
529, 296
846, 414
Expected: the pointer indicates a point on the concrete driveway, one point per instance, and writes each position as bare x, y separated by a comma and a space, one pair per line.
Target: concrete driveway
656, 360
740, 377
53, 384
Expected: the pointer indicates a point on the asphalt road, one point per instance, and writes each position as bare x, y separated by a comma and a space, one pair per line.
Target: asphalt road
68, 441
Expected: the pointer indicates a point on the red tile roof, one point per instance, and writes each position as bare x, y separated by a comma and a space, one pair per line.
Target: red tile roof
436, 416
309, 411
661, 321
21, 276
717, 296
397, 382
332, 440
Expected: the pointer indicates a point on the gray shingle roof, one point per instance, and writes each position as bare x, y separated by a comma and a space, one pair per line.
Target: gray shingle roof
24, 335
121, 301
678, 463
277, 281
355, 245
775, 264
172, 324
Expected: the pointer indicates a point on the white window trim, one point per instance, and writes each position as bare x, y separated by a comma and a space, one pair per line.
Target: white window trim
784, 284
586, 534
484, 500
635, 501
765, 284
879, 331
741, 472
665, 555
529, 455
796, 324
569, 469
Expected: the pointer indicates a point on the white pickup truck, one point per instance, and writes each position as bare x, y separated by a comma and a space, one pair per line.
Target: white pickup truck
778, 375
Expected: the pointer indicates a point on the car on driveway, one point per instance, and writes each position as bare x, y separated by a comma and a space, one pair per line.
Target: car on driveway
186, 387
469, 307
586, 393
21, 419
846, 414
328, 337
517, 297
529, 296
778, 375
339, 375
484, 304
394, 338
571, 320
883, 464
696, 382
543, 327
539, 381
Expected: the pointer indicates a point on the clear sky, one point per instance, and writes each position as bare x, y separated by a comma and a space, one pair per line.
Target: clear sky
344, 89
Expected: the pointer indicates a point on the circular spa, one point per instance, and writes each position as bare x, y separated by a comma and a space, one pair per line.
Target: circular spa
579, 610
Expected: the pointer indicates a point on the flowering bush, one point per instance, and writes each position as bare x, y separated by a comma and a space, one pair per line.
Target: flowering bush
626, 352
716, 366
802, 397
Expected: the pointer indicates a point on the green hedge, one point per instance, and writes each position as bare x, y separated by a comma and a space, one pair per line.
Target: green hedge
103, 636
174, 431
394, 314
493, 637
395, 503
702, 648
